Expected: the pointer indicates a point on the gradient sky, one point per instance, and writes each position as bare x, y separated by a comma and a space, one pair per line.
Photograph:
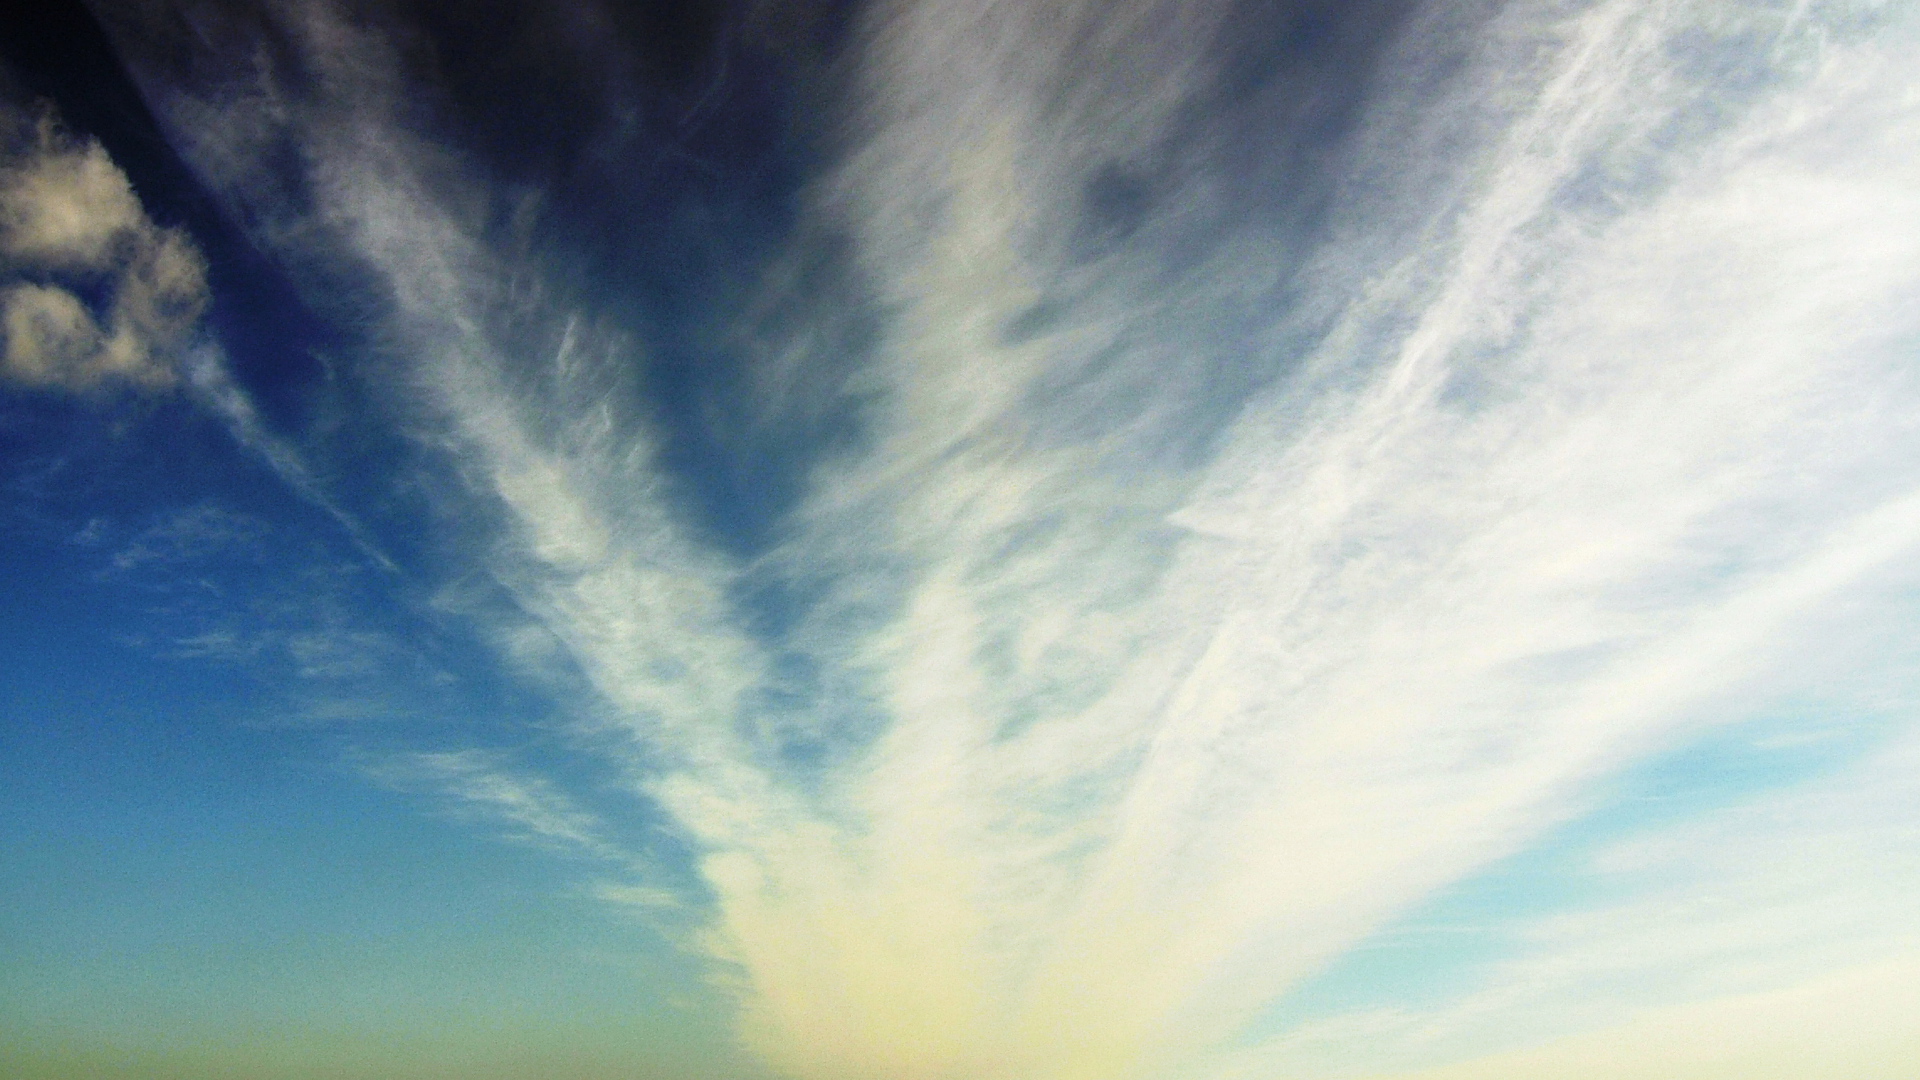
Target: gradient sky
947, 540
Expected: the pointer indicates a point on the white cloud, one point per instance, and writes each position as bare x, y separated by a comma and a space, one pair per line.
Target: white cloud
644, 897
69, 215
67, 211
1701, 926
1850, 1024
479, 781
194, 534
49, 333
67, 205
1615, 390
1559, 474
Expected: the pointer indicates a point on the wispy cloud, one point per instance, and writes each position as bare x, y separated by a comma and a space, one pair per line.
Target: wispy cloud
1216, 575
217, 584
1499, 535
192, 535
480, 782
1780, 896
1859, 1015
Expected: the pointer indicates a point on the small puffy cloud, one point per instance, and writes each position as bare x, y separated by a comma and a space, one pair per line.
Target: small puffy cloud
49, 332
69, 218
67, 205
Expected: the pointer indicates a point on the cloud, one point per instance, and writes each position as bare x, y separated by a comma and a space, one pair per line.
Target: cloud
1547, 484
644, 897
194, 534
301, 618
1207, 586
69, 216
1792, 894
67, 205
479, 782
68, 213
1861, 1017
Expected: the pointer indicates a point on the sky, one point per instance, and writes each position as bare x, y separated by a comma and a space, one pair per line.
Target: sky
960, 540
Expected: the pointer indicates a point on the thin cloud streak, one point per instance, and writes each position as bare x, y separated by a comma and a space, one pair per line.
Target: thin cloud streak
481, 782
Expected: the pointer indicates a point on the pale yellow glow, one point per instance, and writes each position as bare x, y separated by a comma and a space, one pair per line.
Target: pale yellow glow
1860, 1025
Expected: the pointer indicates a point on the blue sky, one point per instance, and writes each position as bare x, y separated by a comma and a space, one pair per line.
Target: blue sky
1141, 541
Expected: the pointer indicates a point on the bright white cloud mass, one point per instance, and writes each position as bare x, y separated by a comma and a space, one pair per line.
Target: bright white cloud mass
66, 209
1283, 540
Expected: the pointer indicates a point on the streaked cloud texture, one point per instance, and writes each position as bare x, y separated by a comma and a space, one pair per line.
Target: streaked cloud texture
1064, 541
